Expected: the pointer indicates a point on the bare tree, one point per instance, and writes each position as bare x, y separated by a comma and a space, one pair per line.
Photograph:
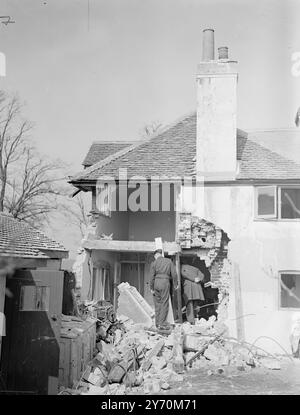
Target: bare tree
149, 129
78, 214
12, 132
29, 183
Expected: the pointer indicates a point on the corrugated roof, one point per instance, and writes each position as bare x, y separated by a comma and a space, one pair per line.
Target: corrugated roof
99, 150
172, 152
18, 239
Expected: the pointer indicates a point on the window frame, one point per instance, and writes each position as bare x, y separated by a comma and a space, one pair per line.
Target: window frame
275, 214
280, 273
279, 201
277, 217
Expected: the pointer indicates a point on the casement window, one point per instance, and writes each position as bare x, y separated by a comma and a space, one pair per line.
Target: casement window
277, 202
289, 289
266, 202
103, 199
289, 202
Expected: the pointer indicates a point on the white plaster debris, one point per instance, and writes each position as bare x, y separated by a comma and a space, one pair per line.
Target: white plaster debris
134, 344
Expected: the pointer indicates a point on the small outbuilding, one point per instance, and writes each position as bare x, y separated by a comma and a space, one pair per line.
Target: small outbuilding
31, 292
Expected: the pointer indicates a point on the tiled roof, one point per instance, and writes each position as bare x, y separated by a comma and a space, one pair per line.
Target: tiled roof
271, 154
18, 239
99, 150
259, 162
172, 152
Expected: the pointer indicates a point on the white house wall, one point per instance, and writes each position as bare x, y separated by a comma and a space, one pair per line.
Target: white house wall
261, 249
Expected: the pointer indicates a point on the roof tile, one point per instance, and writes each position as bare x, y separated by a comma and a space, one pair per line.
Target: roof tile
18, 239
172, 153
99, 150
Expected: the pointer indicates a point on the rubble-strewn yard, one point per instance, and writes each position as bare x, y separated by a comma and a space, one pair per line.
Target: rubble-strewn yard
192, 359
259, 381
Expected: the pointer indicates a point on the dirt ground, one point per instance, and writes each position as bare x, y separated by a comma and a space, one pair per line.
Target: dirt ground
257, 381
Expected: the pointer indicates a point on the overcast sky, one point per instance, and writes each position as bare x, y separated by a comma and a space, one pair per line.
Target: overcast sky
100, 69
134, 61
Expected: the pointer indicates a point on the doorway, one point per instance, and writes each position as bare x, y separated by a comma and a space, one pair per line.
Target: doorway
133, 273
208, 307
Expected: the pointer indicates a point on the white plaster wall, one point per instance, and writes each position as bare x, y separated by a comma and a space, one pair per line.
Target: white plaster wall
216, 115
261, 249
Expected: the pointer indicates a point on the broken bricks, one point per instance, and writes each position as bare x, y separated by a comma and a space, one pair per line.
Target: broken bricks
138, 359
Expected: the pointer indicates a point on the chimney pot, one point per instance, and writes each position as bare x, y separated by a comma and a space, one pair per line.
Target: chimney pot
208, 51
223, 52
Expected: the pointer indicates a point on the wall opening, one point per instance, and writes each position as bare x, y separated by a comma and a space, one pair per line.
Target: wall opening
206, 306
205, 246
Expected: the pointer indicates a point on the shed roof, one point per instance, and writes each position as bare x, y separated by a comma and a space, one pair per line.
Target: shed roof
18, 239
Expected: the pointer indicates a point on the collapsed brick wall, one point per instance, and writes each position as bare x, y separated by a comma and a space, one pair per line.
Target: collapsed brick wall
208, 240
211, 245
217, 267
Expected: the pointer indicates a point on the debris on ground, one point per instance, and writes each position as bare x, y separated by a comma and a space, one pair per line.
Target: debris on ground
134, 358
270, 363
134, 306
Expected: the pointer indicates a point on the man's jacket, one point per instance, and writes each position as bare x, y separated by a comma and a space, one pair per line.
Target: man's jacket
162, 268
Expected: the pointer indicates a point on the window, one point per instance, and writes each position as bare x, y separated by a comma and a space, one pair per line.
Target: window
289, 289
277, 202
290, 203
33, 298
103, 199
266, 202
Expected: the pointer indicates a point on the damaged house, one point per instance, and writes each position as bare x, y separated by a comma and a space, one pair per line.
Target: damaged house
221, 199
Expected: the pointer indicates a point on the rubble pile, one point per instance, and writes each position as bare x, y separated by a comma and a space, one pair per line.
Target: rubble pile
138, 360
141, 361
134, 358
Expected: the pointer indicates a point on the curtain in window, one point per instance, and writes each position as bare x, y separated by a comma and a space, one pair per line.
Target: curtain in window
101, 286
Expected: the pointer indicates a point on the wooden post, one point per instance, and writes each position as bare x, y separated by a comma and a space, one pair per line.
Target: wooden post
179, 302
139, 273
238, 303
116, 280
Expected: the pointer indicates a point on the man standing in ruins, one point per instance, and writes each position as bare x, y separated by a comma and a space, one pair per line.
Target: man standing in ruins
161, 271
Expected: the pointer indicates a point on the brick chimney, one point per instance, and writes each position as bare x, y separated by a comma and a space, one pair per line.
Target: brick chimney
216, 112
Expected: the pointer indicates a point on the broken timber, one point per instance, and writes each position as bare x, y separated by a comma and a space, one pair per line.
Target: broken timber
179, 301
154, 352
238, 303
202, 350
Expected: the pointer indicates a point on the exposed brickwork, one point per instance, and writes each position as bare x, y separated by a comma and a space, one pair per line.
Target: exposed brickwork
217, 267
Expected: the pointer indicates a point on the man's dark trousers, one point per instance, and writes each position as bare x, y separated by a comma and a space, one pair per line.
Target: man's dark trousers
161, 300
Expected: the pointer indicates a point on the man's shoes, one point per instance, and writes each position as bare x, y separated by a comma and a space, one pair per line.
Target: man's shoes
152, 328
164, 329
